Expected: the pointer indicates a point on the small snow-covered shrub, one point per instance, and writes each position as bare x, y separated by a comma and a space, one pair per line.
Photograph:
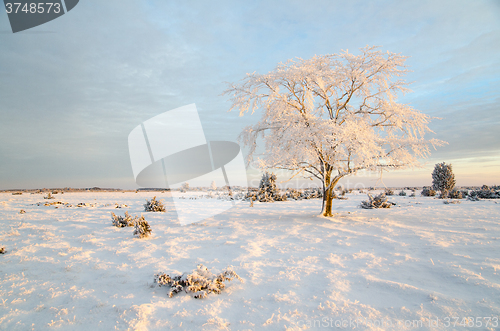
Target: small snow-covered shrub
201, 281
154, 205
402, 193
123, 221
184, 187
428, 192
3, 250
455, 194
388, 192
49, 196
268, 192
379, 201
484, 193
293, 194
443, 179
142, 228
22, 211
313, 193
17, 193
450, 202
412, 195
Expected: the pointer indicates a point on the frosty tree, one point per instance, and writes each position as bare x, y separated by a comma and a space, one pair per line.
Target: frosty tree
213, 186
333, 115
443, 179
267, 188
184, 187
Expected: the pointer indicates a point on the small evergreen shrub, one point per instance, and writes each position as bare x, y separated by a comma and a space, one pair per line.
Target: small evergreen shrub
3, 250
379, 201
402, 193
388, 192
293, 194
313, 193
123, 221
22, 211
268, 192
412, 195
455, 194
473, 197
201, 281
443, 179
484, 193
428, 192
142, 228
154, 205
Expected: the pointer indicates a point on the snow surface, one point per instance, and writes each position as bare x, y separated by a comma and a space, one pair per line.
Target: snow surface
69, 268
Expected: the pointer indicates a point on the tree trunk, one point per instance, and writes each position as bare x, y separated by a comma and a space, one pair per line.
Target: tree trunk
328, 203
328, 195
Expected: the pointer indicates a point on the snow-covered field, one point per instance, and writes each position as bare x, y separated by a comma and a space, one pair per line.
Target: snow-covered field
419, 263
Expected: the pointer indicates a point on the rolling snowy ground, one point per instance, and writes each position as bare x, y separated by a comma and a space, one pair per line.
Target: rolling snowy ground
417, 265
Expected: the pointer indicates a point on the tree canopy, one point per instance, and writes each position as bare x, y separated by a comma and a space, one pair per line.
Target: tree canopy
333, 115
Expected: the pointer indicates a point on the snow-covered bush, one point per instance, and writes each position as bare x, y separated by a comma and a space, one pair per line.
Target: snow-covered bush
213, 186
293, 194
451, 202
123, 221
402, 193
413, 194
3, 250
142, 228
184, 187
154, 205
49, 196
443, 179
313, 193
484, 193
201, 281
268, 192
389, 191
22, 211
455, 194
428, 192
379, 201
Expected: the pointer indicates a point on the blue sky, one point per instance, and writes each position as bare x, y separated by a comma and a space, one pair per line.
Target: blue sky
71, 90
